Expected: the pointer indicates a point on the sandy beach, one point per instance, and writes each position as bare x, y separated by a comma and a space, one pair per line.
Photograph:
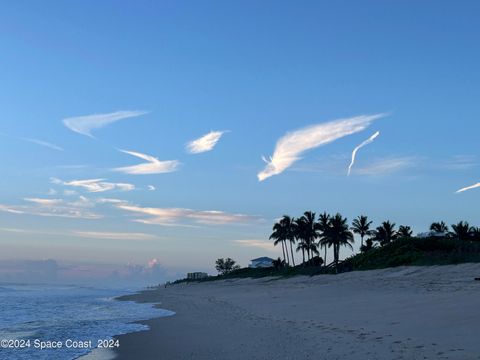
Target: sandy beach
396, 313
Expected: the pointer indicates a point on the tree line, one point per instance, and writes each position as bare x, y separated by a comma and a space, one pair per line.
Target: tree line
310, 234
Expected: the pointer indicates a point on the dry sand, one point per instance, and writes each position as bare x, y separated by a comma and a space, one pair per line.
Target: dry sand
398, 313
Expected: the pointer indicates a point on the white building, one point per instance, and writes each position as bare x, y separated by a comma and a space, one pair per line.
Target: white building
430, 234
261, 262
197, 275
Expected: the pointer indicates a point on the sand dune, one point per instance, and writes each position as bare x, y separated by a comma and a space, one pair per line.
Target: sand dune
398, 313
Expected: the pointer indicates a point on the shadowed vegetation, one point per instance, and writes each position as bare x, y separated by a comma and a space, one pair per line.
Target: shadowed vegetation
380, 248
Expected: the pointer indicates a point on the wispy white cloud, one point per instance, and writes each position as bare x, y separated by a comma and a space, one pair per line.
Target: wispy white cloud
354, 153
43, 143
52, 207
204, 143
178, 216
290, 147
152, 166
262, 244
72, 167
11, 209
83, 202
35, 141
51, 192
20, 231
45, 202
103, 235
111, 201
86, 124
95, 185
461, 162
475, 186
151, 188
387, 166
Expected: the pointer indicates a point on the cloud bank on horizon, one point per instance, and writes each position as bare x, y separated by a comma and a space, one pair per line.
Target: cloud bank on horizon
152, 166
475, 186
354, 153
86, 124
204, 143
291, 146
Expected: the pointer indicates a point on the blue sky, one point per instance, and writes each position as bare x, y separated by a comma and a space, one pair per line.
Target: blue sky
256, 70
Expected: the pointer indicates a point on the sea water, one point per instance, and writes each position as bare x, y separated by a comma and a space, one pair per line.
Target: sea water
39, 314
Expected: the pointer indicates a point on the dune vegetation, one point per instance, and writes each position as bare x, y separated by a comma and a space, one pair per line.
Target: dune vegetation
384, 246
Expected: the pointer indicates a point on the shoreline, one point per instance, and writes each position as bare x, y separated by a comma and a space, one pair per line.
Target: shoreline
397, 313
109, 353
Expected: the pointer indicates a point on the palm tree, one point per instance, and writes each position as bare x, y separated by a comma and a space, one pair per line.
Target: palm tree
368, 245
439, 227
289, 226
337, 234
299, 230
475, 233
385, 233
405, 232
323, 225
311, 233
461, 230
279, 234
361, 226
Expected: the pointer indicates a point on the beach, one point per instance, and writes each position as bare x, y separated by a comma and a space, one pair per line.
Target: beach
397, 313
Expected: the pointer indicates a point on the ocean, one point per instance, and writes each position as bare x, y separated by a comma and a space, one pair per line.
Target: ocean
65, 322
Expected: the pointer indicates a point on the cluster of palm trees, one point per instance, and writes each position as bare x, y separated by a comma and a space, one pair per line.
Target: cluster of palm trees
461, 230
309, 234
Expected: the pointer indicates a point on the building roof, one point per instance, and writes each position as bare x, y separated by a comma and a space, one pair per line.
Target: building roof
263, 258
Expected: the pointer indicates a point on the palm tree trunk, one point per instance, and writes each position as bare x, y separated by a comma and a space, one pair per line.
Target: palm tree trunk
361, 242
337, 250
286, 248
291, 250
283, 250
303, 256
325, 258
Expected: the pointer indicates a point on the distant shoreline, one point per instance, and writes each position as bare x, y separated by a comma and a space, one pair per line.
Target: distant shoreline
395, 313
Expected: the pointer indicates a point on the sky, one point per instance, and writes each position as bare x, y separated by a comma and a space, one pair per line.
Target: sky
145, 138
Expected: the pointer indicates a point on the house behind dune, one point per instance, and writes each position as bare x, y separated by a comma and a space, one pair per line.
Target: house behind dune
196, 275
261, 262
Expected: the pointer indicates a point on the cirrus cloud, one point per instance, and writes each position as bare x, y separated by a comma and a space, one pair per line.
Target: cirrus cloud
86, 124
180, 216
388, 166
204, 143
262, 244
95, 185
152, 166
291, 146
354, 153
52, 208
475, 186
104, 235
